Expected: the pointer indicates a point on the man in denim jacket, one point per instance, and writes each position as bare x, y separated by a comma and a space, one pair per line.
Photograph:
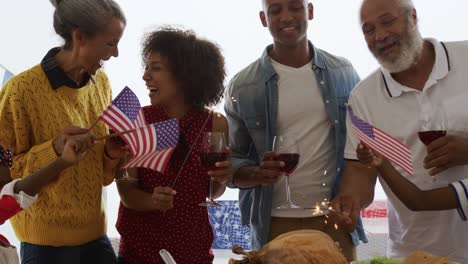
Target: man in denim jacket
299, 91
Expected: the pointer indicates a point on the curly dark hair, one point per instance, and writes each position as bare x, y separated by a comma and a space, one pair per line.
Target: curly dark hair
197, 63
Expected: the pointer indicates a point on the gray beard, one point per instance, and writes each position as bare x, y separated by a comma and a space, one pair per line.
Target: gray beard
411, 50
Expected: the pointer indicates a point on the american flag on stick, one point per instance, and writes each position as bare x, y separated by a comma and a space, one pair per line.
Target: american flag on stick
378, 140
121, 114
155, 145
151, 145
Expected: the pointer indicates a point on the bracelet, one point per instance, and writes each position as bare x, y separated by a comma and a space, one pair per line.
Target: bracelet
6, 156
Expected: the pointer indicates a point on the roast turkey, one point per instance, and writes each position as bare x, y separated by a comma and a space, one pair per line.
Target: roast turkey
300, 247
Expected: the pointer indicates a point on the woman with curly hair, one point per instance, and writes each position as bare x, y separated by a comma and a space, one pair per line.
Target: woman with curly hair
184, 75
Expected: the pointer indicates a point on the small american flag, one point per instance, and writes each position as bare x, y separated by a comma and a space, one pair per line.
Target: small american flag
140, 121
155, 144
151, 145
383, 143
121, 114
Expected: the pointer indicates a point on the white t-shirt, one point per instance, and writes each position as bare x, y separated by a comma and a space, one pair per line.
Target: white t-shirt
395, 109
302, 115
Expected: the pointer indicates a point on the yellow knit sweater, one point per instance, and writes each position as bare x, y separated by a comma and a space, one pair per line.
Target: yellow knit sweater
70, 210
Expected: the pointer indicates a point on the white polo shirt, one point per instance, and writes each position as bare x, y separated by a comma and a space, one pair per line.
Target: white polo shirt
396, 109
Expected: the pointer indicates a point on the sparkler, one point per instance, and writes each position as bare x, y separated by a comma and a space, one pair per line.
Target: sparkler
323, 208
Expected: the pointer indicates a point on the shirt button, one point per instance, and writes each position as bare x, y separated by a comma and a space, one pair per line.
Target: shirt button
327, 101
336, 121
338, 170
257, 123
322, 82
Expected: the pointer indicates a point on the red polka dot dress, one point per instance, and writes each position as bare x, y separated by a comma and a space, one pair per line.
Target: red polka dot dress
185, 230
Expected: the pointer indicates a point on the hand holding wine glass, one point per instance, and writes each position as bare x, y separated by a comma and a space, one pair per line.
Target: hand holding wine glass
289, 154
429, 132
446, 152
269, 170
213, 151
223, 171
445, 148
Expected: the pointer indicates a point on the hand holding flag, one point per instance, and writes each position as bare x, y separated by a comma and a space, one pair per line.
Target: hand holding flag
151, 145
389, 147
154, 146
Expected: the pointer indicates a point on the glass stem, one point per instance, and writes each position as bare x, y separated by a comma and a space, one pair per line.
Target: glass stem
125, 174
211, 189
288, 190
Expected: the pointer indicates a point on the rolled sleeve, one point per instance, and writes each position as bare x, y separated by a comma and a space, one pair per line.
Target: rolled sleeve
351, 139
23, 199
461, 194
240, 141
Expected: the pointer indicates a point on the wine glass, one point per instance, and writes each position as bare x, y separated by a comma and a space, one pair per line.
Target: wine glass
119, 140
288, 153
431, 130
125, 176
213, 150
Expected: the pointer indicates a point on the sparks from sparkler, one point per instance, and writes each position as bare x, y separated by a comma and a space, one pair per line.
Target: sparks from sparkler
323, 208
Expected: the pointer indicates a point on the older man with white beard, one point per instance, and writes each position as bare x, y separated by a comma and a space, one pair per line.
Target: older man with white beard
416, 77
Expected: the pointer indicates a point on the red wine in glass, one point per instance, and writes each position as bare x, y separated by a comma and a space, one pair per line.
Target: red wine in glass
290, 160
428, 136
288, 151
209, 159
213, 149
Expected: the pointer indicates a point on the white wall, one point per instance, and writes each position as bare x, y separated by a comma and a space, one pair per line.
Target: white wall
27, 34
